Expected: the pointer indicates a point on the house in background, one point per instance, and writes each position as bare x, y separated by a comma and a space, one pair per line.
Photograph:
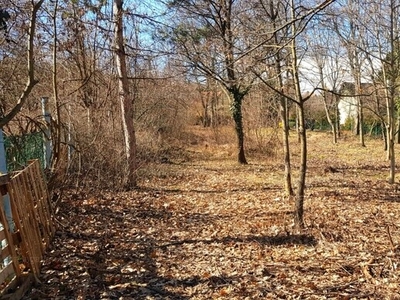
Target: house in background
347, 109
348, 104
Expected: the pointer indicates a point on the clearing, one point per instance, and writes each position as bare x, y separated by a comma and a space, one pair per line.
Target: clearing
204, 227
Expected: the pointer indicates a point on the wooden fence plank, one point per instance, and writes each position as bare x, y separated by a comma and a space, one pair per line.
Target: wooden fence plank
19, 286
24, 221
18, 216
35, 246
32, 215
43, 199
2, 235
29, 202
7, 272
40, 202
10, 249
5, 252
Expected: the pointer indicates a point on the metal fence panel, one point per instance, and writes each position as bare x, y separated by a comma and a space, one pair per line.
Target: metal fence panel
21, 149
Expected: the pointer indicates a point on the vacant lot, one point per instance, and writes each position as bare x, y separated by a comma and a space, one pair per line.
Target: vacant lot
203, 227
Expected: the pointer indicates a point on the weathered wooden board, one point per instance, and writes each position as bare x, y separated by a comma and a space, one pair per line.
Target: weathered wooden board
34, 229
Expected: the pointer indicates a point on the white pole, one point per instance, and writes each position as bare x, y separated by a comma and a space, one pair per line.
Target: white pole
3, 170
6, 197
47, 137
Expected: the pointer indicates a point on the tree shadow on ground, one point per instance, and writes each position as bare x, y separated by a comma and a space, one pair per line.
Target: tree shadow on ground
108, 251
346, 188
148, 282
275, 188
279, 240
137, 275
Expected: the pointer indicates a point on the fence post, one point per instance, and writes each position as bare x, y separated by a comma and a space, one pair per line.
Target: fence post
3, 170
6, 197
47, 135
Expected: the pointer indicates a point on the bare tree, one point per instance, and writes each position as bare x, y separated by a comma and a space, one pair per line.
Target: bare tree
57, 141
348, 28
300, 100
373, 39
297, 18
390, 75
210, 38
330, 76
388, 53
125, 97
278, 57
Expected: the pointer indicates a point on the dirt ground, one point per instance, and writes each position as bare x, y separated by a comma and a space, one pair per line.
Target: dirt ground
204, 227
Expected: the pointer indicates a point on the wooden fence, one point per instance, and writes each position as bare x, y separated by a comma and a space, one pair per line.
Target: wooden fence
23, 249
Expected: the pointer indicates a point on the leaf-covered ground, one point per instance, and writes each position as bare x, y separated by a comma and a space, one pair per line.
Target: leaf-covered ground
206, 228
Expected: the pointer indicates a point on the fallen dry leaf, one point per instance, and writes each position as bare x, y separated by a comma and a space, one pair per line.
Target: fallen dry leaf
211, 229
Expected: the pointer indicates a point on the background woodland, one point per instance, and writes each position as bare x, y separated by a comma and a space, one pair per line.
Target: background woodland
213, 149
129, 82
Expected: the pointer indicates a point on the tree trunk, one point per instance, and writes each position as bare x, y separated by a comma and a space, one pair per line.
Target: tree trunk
384, 136
286, 147
233, 85
214, 100
398, 128
355, 69
324, 97
301, 184
390, 131
299, 206
126, 100
356, 126
298, 125
283, 108
390, 96
206, 121
236, 108
361, 121
391, 140
337, 117
57, 140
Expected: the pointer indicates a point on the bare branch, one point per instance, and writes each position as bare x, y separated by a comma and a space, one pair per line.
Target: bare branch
31, 81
